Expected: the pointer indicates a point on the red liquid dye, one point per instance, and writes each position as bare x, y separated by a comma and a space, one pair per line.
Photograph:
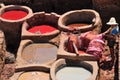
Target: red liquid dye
14, 14
81, 52
42, 29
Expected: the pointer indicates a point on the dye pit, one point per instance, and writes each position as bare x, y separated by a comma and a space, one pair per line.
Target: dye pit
14, 14
73, 73
36, 75
39, 53
77, 25
42, 29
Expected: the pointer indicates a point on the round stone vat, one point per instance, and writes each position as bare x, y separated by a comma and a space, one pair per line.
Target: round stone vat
37, 53
63, 53
81, 20
11, 19
41, 25
74, 69
31, 72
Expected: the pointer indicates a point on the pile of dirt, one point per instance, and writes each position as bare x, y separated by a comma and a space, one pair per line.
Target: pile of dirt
7, 71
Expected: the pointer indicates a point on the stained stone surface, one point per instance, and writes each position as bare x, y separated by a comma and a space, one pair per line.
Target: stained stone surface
39, 53
34, 75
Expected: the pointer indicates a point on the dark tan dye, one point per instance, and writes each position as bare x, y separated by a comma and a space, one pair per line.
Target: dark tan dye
39, 53
77, 25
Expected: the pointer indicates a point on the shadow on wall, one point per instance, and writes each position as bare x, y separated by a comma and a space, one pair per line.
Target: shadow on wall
58, 6
62, 6
106, 8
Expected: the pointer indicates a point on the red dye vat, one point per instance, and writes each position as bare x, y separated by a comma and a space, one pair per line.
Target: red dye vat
14, 14
42, 29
